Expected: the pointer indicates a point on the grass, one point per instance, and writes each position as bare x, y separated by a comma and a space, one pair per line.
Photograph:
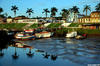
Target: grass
88, 31
77, 24
54, 25
74, 25
34, 26
17, 26
61, 32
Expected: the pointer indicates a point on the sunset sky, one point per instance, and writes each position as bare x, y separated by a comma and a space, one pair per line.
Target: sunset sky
39, 5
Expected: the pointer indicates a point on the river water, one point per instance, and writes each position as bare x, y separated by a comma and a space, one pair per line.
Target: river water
54, 52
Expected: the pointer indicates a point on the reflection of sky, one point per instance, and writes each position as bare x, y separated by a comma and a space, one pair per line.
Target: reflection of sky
39, 5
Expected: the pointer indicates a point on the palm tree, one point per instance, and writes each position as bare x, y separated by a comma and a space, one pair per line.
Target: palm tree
86, 8
97, 7
46, 11
53, 11
29, 11
14, 9
64, 13
1, 10
75, 11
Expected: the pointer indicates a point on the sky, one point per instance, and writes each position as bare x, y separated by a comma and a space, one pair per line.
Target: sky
39, 5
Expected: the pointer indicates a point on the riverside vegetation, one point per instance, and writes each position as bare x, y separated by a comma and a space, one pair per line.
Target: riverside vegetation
61, 31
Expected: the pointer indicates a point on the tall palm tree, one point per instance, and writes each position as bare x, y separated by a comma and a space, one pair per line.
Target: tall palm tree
46, 11
1, 10
53, 11
14, 9
29, 11
64, 13
97, 7
86, 8
75, 11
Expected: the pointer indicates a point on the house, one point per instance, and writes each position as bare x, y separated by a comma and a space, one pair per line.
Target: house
90, 26
9, 20
93, 18
1, 20
27, 21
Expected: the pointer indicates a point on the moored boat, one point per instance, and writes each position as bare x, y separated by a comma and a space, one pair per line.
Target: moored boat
44, 34
71, 34
24, 36
29, 31
80, 37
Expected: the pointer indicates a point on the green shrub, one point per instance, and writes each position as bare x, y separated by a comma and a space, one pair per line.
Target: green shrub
12, 26
34, 26
54, 25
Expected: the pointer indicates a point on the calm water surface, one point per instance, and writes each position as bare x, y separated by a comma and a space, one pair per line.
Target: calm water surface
54, 52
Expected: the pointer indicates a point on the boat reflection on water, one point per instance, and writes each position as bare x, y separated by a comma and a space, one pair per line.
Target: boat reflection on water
71, 41
57, 51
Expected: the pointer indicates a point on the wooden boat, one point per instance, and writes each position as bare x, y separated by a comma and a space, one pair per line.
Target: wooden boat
29, 31
23, 36
80, 37
44, 34
71, 34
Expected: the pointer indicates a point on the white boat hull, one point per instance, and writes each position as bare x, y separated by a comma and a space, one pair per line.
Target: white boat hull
71, 35
43, 35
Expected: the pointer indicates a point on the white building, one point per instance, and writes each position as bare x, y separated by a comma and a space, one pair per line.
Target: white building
9, 20
27, 21
72, 17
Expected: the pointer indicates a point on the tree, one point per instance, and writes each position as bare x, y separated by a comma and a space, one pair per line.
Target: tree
75, 11
64, 13
1, 10
86, 8
29, 11
14, 9
53, 11
97, 7
46, 11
